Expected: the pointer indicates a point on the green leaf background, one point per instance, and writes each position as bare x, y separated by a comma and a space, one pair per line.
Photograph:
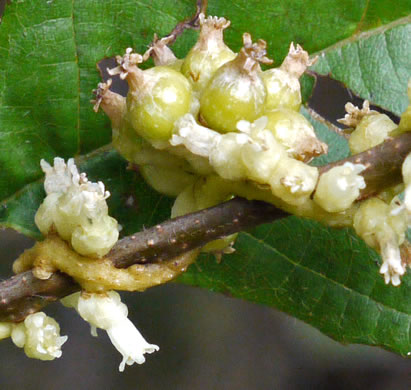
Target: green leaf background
328, 278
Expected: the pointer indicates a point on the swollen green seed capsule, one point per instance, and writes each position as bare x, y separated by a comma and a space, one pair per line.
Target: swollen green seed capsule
166, 180
162, 97
162, 54
282, 90
283, 86
156, 98
236, 90
138, 151
296, 133
205, 192
208, 54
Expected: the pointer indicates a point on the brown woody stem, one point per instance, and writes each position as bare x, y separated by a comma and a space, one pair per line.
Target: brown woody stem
192, 23
383, 164
24, 294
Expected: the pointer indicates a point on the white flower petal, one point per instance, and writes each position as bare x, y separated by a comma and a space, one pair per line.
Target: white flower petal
130, 343
106, 311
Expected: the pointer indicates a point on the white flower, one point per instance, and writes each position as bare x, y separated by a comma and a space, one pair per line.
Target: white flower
197, 139
40, 337
391, 267
383, 226
130, 343
60, 177
255, 127
106, 311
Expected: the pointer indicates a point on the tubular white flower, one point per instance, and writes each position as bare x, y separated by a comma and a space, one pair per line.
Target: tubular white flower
106, 311
40, 337
130, 343
391, 267
381, 228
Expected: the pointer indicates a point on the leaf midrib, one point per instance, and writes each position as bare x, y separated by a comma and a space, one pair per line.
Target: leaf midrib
363, 35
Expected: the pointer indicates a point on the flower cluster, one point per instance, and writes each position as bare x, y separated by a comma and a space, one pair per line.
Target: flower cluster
76, 209
214, 125
204, 129
38, 334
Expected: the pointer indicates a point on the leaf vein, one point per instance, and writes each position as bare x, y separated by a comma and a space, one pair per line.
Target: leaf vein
270, 248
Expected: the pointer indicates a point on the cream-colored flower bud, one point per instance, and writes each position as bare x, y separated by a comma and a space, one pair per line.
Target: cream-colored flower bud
61, 176
5, 330
262, 153
18, 334
76, 208
97, 238
293, 181
371, 131
40, 337
226, 156
339, 187
45, 215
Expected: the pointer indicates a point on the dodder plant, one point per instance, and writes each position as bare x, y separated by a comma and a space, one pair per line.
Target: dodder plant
205, 129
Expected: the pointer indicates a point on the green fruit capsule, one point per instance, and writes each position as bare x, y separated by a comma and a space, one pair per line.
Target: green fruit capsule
296, 133
167, 181
283, 86
205, 192
236, 91
282, 90
208, 54
161, 98
138, 151
162, 54
156, 97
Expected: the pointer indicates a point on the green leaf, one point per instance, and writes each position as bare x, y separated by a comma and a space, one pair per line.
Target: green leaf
375, 65
48, 56
327, 278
